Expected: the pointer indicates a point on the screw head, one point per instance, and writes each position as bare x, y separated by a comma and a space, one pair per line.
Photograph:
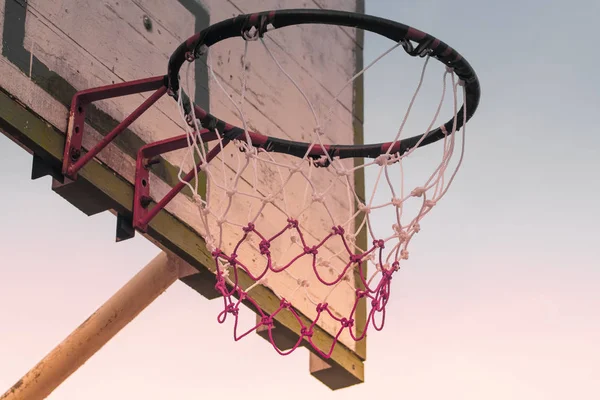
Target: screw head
147, 23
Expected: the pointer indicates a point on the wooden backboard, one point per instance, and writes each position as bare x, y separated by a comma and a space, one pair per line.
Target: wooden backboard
51, 49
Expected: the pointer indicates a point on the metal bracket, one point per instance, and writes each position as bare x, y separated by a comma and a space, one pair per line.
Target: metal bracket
142, 213
73, 158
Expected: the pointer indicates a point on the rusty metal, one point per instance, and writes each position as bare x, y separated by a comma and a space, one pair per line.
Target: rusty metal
73, 159
147, 155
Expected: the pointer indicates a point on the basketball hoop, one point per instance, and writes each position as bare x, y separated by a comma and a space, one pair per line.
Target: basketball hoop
304, 161
299, 212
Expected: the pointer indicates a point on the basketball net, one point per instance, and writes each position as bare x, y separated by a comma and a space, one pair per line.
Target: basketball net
266, 214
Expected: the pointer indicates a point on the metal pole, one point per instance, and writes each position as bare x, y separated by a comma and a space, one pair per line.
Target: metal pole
98, 329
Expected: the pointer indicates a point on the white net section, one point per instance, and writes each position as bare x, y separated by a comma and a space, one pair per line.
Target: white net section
268, 216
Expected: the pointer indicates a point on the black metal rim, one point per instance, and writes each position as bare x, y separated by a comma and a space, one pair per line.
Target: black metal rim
415, 43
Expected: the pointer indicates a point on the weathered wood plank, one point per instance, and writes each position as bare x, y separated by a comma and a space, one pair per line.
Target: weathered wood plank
325, 52
297, 43
80, 46
357, 6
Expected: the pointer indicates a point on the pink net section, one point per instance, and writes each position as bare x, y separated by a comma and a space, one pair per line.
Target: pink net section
378, 295
296, 229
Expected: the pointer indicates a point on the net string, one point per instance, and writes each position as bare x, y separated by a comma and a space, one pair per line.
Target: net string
375, 288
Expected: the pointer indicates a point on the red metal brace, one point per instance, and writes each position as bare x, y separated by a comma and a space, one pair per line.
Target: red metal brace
73, 160
142, 214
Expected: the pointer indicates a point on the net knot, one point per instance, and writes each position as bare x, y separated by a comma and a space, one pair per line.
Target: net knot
404, 254
355, 258
403, 236
417, 192
231, 309
395, 266
347, 323
385, 159
417, 227
318, 198
202, 206
232, 259
264, 247
216, 253
284, 304
220, 286
380, 243
322, 307
204, 166
341, 171
360, 294
292, 223
430, 203
306, 332
311, 250
251, 34
248, 150
249, 228
338, 230
266, 321
364, 208
387, 274
396, 202
230, 192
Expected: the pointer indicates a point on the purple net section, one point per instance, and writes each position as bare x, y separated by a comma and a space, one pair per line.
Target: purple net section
234, 295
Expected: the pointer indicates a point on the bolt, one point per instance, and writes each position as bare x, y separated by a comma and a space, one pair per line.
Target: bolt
75, 154
147, 23
150, 162
145, 201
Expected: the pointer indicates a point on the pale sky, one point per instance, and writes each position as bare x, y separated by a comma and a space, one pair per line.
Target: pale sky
500, 299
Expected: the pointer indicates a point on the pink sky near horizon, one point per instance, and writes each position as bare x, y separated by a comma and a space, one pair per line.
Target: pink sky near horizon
477, 332
501, 299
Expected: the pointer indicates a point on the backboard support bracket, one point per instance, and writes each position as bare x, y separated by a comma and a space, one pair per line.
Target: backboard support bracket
142, 213
74, 158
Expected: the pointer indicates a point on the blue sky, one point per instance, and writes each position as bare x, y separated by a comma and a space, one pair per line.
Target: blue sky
502, 294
